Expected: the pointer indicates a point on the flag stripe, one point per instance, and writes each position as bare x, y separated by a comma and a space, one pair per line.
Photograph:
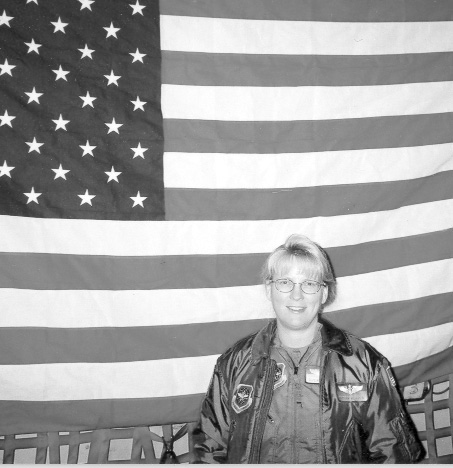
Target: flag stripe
204, 136
309, 10
236, 103
204, 69
409, 281
120, 344
168, 342
143, 378
65, 382
48, 271
413, 345
401, 316
79, 309
73, 415
65, 236
431, 367
256, 171
286, 203
225, 35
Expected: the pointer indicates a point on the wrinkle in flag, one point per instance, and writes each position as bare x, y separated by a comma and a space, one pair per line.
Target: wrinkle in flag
152, 155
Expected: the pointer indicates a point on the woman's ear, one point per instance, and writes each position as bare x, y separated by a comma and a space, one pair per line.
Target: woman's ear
268, 286
325, 294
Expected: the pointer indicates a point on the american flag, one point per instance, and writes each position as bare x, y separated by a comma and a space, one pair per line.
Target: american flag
152, 155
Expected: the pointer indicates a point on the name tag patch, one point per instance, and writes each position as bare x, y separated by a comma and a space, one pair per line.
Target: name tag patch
242, 398
312, 374
280, 375
352, 391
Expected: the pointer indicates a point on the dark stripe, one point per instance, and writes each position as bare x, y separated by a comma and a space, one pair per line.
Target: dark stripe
395, 317
209, 136
425, 369
25, 417
49, 271
202, 69
314, 10
131, 344
391, 253
128, 344
306, 202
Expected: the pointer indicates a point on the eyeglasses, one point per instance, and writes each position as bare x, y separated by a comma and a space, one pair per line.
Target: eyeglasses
285, 285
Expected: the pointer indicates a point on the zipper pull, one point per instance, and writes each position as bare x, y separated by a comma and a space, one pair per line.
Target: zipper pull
296, 370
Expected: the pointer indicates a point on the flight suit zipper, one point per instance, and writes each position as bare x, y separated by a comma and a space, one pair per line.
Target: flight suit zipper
321, 399
263, 411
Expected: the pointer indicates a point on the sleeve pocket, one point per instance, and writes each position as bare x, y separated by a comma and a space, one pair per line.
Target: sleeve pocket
407, 445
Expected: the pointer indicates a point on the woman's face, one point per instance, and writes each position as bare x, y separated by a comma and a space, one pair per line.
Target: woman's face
296, 310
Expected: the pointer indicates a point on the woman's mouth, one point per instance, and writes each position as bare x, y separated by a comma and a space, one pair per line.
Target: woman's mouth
296, 308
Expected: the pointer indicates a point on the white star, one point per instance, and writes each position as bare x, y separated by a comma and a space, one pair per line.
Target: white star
137, 56
6, 119
112, 78
34, 145
59, 25
32, 46
138, 200
88, 149
138, 151
138, 104
61, 74
32, 196
5, 19
137, 8
111, 31
86, 4
60, 123
86, 198
33, 96
113, 175
5, 170
87, 100
86, 52
113, 127
60, 172
6, 68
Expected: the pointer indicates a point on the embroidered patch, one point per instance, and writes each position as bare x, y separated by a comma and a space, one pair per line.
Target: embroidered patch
242, 398
390, 375
280, 376
312, 374
352, 391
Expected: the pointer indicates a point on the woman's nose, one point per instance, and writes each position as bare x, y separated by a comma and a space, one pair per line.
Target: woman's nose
297, 293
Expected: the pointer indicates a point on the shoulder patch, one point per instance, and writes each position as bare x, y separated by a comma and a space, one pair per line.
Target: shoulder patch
280, 376
390, 376
352, 391
242, 398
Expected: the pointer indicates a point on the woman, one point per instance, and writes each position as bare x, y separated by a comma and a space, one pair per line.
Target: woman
301, 390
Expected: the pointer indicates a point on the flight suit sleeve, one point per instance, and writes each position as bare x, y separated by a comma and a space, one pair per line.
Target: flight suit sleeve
212, 432
391, 437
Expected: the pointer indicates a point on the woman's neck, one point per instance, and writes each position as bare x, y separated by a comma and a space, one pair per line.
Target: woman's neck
297, 338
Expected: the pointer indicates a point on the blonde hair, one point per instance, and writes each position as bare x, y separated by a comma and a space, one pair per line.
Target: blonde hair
301, 249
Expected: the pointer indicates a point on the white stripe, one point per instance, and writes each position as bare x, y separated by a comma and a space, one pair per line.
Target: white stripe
84, 309
235, 103
88, 237
239, 36
406, 347
257, 171
93, 381
397, 284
